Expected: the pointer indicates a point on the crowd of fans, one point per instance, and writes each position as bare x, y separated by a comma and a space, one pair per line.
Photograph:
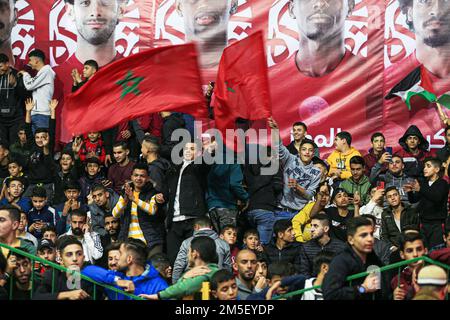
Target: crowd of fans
114, 206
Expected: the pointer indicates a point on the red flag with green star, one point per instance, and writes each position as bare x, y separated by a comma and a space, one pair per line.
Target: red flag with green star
160, 79
242, 86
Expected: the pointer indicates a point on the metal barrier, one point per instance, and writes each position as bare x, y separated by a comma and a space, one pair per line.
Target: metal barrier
54, 267
397, 265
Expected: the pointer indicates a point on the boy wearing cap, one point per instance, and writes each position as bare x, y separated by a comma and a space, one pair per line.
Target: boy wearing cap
432, 284
46, 250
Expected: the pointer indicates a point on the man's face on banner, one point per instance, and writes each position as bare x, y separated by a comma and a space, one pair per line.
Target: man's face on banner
431, 21
96, 20
320, 19
205, 19
8, 19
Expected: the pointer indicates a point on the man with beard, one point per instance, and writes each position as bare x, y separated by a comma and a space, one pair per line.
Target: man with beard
112, 229
90, 240
120, 171
320, 227
95, 21
334, 82
112, 252
202, 255
245, 266
430, 22
206, 24
133, 274
22, 268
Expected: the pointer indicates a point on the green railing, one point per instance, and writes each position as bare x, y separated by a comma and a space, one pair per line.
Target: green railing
54, 267
397, 266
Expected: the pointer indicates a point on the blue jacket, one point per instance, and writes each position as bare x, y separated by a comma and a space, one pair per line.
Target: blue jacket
294, 283
24, 203
225, 186
47, 214
150, 282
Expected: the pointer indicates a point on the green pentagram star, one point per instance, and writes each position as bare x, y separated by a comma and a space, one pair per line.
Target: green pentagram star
126, 89
229, 88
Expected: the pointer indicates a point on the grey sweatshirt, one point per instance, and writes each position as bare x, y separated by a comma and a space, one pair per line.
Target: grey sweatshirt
307, 176
42, 87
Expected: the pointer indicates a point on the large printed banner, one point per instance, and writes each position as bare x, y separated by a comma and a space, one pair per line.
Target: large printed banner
331, 62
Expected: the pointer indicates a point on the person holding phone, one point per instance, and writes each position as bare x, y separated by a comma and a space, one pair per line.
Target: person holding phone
378, 153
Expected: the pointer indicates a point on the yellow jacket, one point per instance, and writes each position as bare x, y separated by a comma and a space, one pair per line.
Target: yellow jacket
301, 223
338, 160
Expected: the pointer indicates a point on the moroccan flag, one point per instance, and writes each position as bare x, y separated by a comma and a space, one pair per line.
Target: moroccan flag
160, 79
418, 84
242, 86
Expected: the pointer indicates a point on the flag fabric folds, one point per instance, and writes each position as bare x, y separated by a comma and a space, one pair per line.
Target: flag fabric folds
242, 86
418, 84
160, 79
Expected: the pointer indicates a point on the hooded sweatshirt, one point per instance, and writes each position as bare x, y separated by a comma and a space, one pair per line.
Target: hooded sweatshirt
307, 176
157, 173
341, 160
222, 247
413, 163
11, 97
149, 282
42, 87
363, 187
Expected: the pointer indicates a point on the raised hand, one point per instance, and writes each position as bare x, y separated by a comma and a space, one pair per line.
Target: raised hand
53, 104
30, 104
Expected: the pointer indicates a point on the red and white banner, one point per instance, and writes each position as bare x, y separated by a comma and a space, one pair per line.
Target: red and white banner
331, 62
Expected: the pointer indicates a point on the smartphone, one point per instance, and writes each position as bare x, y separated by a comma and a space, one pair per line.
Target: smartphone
380, 185
389, 150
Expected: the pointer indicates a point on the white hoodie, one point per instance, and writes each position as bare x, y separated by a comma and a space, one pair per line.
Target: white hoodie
42, 87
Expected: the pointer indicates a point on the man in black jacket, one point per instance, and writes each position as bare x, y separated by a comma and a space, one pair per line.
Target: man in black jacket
263, 191
355, 258
157, 166
66, 286
285, 248
186, 186
171, 122
40, 162
432, 195
12, 95
320, 227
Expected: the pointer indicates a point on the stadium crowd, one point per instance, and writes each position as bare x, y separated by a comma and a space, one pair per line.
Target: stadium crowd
114, 206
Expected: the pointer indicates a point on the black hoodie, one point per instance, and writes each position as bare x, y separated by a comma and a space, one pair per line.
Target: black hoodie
11, 99
413, 163
170, 124
157, 171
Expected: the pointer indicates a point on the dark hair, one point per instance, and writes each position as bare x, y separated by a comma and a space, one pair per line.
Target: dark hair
160, 261
91, 63
317, 160
67, 152
376, 135
20, 256
67, 240
48, 228
323, 257
396, 155
16, 161
8, 182
122, 144
72, 185
299, 123
308, 141
323, 184
138, 250
39, 192
108, 215
357, 160
227, 227
206, 247
336, 192
281, 226
435, 162
346, 136
38, 54
324, 219
250, 232
404, 5
390, 189
354, 223
40, 130
202, 222
4, 144
140, 166
13, 212
114, 246
371, 217
219, 277
447, 231
98, 186
78, 213
3, 58
409, 237
93, 160
279, 268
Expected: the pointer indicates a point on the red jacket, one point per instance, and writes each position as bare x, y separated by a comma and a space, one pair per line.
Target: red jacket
96, 147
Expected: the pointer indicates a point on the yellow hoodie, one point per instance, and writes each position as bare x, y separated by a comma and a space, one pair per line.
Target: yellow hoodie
338, 160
